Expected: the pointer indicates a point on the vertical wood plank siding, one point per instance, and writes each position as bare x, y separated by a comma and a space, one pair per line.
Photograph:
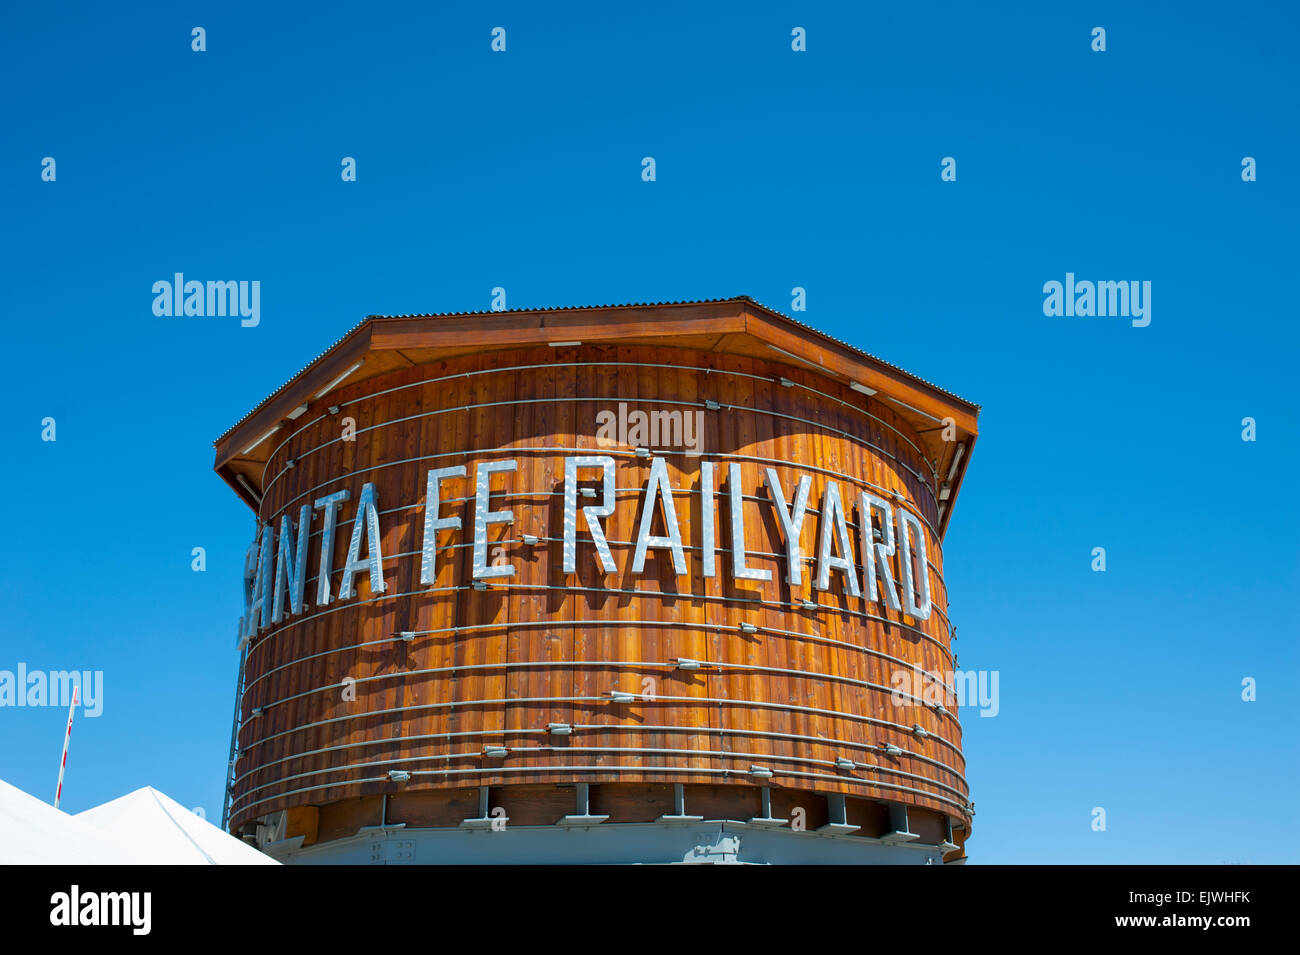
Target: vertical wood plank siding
731, 715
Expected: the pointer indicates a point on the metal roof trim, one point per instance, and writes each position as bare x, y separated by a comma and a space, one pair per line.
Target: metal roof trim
585, 308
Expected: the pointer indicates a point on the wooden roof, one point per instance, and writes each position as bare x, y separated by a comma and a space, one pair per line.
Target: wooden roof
741, 326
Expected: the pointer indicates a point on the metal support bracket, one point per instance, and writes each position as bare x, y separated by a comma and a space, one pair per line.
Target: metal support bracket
837, 814
679, 807
582, 815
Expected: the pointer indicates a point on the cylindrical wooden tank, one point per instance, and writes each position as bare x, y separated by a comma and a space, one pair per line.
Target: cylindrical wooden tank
521, 696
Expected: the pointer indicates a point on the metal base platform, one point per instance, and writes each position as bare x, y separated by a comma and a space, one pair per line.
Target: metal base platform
658, 843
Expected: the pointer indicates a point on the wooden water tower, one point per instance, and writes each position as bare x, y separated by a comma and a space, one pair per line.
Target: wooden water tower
467, 687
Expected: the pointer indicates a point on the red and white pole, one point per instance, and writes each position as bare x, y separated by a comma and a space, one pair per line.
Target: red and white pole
58, 793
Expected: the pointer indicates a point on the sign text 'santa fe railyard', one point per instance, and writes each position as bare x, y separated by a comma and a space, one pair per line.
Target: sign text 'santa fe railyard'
887, 564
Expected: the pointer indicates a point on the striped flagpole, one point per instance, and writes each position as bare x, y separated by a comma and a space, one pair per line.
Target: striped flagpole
58, 793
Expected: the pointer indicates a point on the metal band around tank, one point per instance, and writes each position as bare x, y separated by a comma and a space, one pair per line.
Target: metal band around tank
597, 624
264, 638
604, 728
732, 701
649, 665
641, 751
611, 770
550, 401
599, 364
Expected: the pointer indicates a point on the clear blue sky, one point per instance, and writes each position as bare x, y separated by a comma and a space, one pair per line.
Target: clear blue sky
775, 169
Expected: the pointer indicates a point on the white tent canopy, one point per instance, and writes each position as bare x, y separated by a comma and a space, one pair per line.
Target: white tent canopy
35, 833
141, 828
170, 833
